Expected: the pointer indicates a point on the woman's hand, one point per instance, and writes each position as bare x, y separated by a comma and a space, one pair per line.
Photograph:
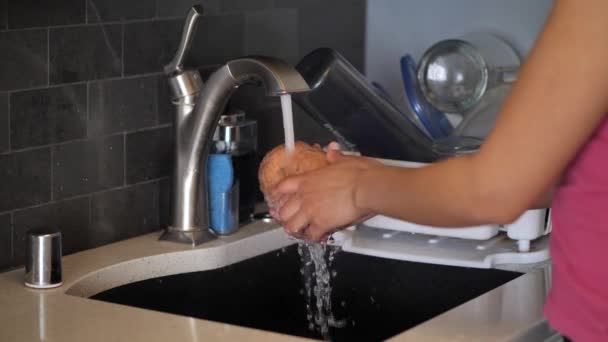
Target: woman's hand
314, 205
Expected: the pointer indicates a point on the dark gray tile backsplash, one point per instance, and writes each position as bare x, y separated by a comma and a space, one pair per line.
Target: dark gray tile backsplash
46, 116
26, 179
123, 105
85, 53
165, 203
149, 154
84, 167
124, 213
338, 24
150, 45
166, 109
23, 60
4, 124
86, 119
36, 13
71, 217
3, 14
272, 33
115, 10
219, 38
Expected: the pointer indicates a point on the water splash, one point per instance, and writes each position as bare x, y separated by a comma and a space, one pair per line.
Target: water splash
317, 286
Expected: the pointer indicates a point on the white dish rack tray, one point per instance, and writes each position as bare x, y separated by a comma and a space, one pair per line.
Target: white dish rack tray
525, 241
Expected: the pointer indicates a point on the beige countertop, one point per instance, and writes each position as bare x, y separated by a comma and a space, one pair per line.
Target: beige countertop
512, 312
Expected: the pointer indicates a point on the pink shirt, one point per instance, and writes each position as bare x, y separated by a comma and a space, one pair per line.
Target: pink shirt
577, 305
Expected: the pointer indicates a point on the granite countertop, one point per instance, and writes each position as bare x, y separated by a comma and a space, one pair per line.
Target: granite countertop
511, 312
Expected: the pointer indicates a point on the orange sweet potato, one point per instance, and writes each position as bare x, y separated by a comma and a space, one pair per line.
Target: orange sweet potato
279, 164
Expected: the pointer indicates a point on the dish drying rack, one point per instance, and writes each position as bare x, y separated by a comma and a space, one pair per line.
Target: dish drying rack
524, 241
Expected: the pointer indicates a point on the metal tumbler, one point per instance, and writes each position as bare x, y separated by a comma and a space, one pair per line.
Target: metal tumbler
43, 253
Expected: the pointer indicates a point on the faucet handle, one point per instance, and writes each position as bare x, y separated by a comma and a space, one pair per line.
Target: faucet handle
177, 63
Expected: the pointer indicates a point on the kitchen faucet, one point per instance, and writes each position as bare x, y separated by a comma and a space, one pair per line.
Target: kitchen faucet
199, 106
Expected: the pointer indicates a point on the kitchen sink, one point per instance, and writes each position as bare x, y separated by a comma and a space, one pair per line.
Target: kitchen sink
376, 298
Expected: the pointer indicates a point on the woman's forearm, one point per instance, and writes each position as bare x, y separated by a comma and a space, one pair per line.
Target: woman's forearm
441, 194
418, 197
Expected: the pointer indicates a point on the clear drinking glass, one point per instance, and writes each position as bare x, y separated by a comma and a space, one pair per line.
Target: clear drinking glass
454, 74
456, 146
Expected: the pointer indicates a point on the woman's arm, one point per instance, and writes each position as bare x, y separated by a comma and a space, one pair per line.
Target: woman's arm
559, 99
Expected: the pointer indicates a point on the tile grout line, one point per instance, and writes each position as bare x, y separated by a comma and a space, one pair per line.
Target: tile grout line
5, 15
149, 128
158, 195
39, 147
82, 196
124, 158
38, 28
122, 48
48, 56
12, 224
52, 152
90, 218
8, 100
88, 109
101, 23
245, 34
158, 99
86, 11
108, 79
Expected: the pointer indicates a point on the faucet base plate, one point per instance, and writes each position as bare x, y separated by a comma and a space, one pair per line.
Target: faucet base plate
194, 237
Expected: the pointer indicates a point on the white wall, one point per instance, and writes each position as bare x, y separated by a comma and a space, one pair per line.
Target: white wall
397, 27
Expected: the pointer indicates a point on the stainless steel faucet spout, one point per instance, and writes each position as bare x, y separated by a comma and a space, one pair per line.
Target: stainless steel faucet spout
278, 77
197, 118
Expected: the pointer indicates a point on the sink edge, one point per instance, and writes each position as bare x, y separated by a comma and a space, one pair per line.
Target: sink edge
209, 256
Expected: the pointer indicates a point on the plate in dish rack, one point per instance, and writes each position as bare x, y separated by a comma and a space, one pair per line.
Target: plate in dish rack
483, 232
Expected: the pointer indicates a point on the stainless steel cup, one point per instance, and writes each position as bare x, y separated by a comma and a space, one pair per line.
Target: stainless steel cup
43, 253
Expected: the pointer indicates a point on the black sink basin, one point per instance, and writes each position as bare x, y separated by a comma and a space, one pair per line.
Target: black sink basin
378, 298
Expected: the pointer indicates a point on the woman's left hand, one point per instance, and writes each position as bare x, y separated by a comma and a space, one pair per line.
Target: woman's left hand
324, 201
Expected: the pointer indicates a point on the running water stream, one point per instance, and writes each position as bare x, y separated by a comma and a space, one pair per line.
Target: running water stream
288, 122
315, 267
